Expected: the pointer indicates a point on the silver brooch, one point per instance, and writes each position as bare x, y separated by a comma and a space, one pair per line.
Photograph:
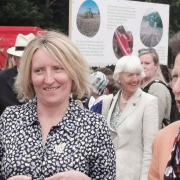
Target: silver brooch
59, 148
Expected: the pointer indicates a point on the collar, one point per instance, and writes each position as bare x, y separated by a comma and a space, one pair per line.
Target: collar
30, 113
69, 122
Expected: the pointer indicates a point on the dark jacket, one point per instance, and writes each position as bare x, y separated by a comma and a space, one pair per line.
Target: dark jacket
7, 95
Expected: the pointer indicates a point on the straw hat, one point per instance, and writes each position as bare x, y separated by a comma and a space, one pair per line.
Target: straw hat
21, 42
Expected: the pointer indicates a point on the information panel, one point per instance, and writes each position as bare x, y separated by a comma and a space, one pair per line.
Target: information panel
105, 30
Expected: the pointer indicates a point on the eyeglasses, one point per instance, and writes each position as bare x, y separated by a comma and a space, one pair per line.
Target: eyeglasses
146, 51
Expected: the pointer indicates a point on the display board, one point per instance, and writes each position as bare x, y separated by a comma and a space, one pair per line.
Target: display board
105, 30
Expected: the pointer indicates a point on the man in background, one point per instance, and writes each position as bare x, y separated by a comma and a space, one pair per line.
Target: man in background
7, 77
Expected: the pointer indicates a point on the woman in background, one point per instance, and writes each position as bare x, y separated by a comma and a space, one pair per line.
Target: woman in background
165, 164
132, 120
152, 83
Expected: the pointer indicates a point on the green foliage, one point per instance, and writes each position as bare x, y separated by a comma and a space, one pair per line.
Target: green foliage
48, 14
60, 10
20, 12
54, 13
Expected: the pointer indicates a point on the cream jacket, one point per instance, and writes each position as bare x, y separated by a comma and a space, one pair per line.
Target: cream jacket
133, 137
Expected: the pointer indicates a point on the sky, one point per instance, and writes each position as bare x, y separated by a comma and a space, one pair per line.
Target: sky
88, 4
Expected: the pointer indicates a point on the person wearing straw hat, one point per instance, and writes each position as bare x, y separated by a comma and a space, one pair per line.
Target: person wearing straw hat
7, 76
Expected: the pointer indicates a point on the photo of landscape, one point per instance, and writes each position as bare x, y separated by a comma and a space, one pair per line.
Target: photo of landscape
88, 18
151, 29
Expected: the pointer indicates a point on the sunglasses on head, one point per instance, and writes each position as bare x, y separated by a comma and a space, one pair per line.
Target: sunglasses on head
146, 51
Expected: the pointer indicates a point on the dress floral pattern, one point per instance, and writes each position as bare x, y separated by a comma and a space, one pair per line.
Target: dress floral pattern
172, 171
81, 142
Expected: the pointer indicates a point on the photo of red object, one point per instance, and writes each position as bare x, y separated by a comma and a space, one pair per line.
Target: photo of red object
122, 42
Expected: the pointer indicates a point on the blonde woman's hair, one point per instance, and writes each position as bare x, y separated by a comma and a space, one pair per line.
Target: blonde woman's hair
155, 57
62, 49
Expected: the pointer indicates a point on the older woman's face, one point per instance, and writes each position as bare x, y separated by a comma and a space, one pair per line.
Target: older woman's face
148, 65
176, 80
51, 83
130, 82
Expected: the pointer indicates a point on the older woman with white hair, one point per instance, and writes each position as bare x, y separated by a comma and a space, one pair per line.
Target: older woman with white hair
132, 120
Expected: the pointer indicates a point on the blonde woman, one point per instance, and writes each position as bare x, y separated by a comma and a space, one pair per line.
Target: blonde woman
51, 137
150, 62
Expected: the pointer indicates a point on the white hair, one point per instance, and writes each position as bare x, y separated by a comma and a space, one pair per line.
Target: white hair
128, 63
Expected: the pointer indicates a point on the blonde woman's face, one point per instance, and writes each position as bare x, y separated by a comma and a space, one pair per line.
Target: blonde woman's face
51, 82
130, 82
148, 65
176, 80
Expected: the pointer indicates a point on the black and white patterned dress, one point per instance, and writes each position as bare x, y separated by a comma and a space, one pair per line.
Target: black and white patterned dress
81, 142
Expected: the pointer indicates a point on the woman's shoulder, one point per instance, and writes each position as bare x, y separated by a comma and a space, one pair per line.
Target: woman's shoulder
175, 125
148, 96
91, 118
158, 85
84, 112
87, 114
14, 109
12, 113
160, 90
10, 118
92, 121
169, 130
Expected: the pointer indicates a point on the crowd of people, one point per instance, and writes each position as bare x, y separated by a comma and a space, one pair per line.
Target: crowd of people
59, 120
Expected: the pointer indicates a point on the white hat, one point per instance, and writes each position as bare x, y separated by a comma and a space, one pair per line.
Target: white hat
21, 42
